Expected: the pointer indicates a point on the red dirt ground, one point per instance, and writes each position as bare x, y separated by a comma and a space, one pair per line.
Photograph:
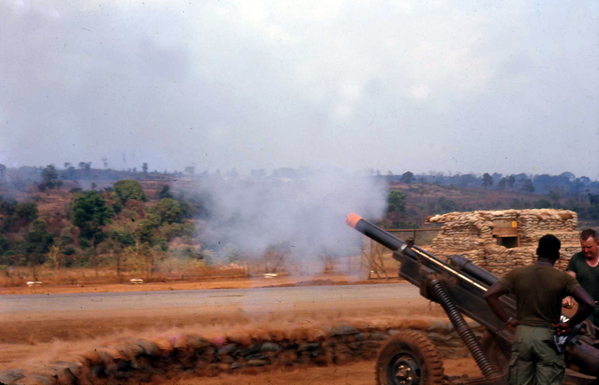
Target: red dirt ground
29, 341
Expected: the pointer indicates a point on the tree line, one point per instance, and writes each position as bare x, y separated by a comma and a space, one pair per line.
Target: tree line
114, 221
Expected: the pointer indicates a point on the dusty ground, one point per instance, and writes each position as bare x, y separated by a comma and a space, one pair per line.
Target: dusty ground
31, 340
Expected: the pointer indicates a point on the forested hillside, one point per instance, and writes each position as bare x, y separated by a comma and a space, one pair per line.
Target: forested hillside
143, 221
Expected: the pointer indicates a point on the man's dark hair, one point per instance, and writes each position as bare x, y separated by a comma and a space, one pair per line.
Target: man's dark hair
588, 233
549, 247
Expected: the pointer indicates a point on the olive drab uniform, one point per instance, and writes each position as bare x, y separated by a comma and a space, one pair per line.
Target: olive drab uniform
539, 291
588, 277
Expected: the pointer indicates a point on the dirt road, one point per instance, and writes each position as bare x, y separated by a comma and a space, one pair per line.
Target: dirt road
37, 329
275, 298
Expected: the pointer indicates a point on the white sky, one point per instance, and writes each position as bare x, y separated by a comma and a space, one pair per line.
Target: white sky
460, 86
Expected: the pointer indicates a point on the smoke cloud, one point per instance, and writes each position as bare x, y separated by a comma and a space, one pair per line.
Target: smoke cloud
308, 214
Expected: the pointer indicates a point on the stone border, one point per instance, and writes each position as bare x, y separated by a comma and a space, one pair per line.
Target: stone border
184, 356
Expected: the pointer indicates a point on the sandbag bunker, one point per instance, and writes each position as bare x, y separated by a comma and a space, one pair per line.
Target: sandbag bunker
186, 356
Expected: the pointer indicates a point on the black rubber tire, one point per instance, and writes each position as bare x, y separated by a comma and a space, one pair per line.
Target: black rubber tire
497, 353
421, 355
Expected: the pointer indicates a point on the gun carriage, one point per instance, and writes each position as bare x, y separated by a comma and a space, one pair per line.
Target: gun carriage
458, 286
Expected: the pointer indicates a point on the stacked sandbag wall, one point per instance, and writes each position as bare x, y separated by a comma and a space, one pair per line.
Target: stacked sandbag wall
471, 235
185, 356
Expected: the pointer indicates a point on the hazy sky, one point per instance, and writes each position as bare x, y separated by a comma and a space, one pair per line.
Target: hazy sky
460, 86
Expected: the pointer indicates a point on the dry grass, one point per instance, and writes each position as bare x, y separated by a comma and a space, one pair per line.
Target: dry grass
19, 276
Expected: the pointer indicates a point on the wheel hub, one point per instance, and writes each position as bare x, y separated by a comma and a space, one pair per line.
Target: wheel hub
405, 371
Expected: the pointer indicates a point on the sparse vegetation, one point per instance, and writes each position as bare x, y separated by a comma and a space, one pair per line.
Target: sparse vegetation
131, 223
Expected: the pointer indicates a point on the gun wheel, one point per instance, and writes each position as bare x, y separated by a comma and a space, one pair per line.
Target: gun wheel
409, 359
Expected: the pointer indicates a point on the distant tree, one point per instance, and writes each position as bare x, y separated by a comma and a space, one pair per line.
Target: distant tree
186, 209
67, 165
37, 242
26, 211
467, 180
144, 168
145, 231
70, 174
568, 176
169, 211
49, 176
91, 214
487, 180
520, 177
407, 177
165, 192
129, 189
105, 162
501, 184
396, 202
527, 186
511, 180
94, 185
7, 205
584, 180
2, 168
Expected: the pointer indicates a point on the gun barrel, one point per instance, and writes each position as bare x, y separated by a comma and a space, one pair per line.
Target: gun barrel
375, 233
465, 265
388, 240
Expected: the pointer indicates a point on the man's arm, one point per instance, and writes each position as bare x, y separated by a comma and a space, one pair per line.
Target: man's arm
492, 297
586, 305
568, 302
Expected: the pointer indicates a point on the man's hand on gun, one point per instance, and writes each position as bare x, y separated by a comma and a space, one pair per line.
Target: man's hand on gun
568, 302
511, 324
562, 328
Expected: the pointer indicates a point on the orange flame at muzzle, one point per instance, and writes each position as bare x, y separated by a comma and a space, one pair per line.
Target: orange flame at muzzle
352, 220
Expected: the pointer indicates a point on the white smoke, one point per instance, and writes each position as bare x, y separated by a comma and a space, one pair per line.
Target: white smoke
308, 213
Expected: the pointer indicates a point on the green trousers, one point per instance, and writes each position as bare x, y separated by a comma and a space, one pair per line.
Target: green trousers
534, 358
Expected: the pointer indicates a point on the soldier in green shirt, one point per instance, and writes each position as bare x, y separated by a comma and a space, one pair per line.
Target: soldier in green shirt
584, 266
539, 290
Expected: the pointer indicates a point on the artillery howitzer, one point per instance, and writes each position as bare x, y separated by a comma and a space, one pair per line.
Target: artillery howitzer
458, 286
